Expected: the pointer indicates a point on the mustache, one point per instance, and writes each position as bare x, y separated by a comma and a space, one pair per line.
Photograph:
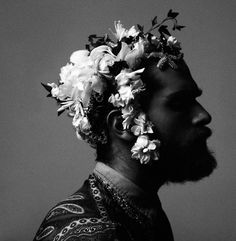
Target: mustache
203, 133
199, 135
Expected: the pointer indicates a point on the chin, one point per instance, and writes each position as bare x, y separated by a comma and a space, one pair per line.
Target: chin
192, 165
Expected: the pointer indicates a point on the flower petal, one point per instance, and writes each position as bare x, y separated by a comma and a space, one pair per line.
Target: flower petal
79, 56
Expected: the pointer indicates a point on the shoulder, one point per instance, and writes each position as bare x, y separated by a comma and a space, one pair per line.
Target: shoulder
82, 216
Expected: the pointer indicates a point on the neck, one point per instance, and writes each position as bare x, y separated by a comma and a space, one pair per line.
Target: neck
146, 176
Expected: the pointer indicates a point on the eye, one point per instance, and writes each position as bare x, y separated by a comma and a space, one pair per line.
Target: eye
182, 104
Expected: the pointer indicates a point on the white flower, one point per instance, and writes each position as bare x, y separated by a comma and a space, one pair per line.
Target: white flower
133, 58
116, 100
85, 125
137, 86
125, 76
132, 32
121, 32
97, 84
142, 125
80, 57
125, 49
126, 94
102, 58
173, 42
75, 76
55, 89
128, 114
82, 75
145, 150
65, 105
155, 40
123, 97
104, 64
81, 123
98, 52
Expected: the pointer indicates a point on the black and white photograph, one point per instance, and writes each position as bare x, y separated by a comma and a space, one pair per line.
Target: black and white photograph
117, 120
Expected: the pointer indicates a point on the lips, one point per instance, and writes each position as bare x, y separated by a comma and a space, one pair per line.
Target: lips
204, 132
199, 136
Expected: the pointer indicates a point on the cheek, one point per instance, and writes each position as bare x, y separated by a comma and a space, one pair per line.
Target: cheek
170, 126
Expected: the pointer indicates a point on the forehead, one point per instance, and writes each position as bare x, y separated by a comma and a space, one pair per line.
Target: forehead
170, 81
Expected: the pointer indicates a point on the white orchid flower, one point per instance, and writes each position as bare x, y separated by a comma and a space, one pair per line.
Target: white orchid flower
142, 125
123, 97
125, 76
145, 150
121, 32
126, 94
128, 114
116, 100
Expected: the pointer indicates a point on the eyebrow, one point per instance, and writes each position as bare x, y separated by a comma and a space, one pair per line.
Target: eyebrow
186, 93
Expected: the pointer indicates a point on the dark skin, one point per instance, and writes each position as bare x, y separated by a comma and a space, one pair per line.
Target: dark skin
180, 124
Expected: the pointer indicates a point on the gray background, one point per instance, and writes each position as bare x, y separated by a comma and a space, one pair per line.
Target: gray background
41, 160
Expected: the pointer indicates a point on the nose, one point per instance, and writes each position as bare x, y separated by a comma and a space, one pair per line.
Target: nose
201, 116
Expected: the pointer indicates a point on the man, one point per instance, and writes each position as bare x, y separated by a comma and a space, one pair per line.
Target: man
134, 100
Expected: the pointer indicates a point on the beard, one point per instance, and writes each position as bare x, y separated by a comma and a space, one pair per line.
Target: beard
190, 160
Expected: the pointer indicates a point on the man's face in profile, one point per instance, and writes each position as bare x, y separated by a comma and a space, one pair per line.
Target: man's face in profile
181, 125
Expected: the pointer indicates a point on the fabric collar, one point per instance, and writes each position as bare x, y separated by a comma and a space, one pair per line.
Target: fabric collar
149, 205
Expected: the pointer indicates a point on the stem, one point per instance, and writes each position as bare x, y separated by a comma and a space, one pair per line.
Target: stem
158, 25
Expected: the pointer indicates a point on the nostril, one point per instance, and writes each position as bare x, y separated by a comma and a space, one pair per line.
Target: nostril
202, 118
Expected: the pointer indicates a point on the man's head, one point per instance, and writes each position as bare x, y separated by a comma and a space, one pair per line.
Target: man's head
136, 93
180, 123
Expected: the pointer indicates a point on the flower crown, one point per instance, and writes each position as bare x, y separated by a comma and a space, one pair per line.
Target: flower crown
107, 76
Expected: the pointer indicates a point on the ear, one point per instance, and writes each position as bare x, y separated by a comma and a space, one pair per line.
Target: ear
114, 123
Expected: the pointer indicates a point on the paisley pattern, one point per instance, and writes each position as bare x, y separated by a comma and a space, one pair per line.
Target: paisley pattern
88, 226
75, 197
84, 223
45, 232
65, 208
94, 214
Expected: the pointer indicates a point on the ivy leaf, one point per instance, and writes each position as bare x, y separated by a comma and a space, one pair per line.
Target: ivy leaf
117, 67
179, 27
154, 21
87, 47
172, 14
92, 36
163, 29
47, 87
140, 28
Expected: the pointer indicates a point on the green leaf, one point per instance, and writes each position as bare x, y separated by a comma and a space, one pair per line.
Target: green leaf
87, 47
154, 21
140, 28
92, 36
163, 29
179, 27
172, 14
